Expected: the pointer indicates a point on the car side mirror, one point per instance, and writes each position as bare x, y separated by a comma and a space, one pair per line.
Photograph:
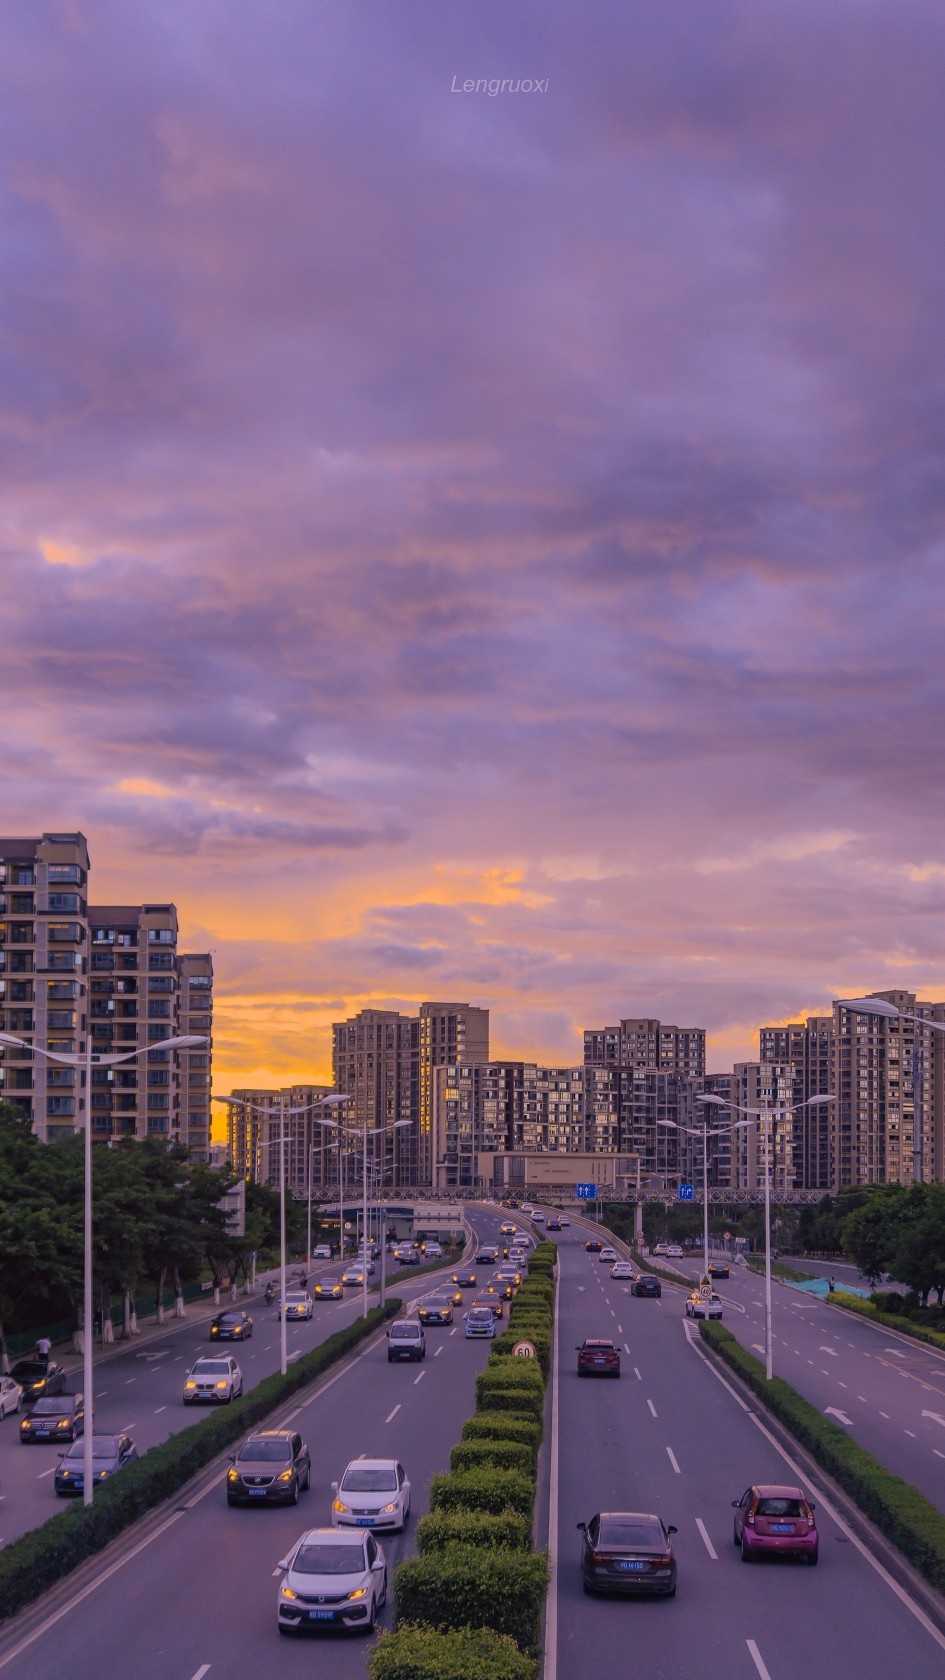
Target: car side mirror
672, 1529
582, 1527
334, 1487
736, 1503
283, 1563
812, 1505
231, 1457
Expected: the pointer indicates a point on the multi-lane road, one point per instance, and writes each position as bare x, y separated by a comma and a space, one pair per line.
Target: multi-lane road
672, 1436
139, 1388
888, 1390
192, 1596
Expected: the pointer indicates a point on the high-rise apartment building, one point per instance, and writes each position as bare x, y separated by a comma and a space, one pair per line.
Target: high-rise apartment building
68, 970
636, 1110
481, 1108
375, 1064
447, 1033
721, 1163
312, 1151
44, 973
810, 1048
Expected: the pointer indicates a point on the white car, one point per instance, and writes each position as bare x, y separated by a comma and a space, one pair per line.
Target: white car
622, 1269
322, 1251
696, 1307
353, 1274
298, 1304
372, 1493
332, 1577
607, 1255
564, 1221
10, 1396
674, 1252
213, 1379
538, 1219
433, 1251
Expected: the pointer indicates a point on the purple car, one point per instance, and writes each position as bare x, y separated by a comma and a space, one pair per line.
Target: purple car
770, 1518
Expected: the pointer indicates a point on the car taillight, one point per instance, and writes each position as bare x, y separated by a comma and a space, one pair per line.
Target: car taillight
810, 1519
598, 1557
750, 1519
663, 1562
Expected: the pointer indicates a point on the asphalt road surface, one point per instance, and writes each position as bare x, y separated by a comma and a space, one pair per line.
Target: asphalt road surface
672, 1437
199, 1597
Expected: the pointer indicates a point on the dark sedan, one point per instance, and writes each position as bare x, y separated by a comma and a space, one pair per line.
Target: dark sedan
231, 1327
593, 1245
59, 1419
38, 1378
598, 1357
110, 1453
464, 1280
718, 1268
272, 1468
628, 1552
646, 1284
435, 1309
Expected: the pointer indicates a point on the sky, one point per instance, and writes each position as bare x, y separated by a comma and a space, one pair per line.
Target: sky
482, 544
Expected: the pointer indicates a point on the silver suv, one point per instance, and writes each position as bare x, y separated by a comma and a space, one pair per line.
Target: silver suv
212, 1379
405, 1340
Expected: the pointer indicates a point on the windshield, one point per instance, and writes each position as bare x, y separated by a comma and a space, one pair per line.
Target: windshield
295, 1296
369, 1481
265, 1452
29, 1370
642, 1535
480, 1315
230, 1318
103, 1446
782, 1508
324, 1558
51, 1408
405, 1332
210, 1368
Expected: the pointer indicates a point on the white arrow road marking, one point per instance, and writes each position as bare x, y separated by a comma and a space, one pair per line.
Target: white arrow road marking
831, 1351
760, 1349
831, 1411
150, 1357
897, 1352
937, 1416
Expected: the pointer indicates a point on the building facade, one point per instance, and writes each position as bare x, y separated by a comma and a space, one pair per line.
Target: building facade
637, 1075
69, 970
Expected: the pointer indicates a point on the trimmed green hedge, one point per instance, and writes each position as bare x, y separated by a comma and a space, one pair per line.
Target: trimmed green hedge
505, 1371
484, 1490
503, 1426
501, 1530
891, 1321
466, 1586
30, 1565
423, 1653
899, 1510
499, 1397
529, 1330
505, 1455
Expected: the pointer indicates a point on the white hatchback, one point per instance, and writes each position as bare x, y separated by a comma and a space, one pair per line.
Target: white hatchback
332, 1579
607, 1254
622, 1269
373, 1493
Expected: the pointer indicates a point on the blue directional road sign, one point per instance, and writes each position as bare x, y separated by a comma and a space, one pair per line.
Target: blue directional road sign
587, 1192
685, 1193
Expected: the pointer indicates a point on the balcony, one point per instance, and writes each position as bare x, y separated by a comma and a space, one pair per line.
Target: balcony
64, 933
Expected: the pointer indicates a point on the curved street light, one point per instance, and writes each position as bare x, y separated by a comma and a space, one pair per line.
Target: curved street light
366, 1131
86, 1060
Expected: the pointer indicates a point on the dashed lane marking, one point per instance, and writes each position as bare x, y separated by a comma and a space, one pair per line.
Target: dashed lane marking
391, 1415
705, 1536
673, 1461
652, 1407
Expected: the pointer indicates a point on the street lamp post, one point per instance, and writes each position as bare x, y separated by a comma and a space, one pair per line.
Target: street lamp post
766, 1114
367, 1131
284, 1115
323, 1102
891, 1012
87, 1060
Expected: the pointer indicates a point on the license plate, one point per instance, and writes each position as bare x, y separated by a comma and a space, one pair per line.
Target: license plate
364, 1522
321, 1615
256, 1493
782, 1528
41, 1433
633, 1565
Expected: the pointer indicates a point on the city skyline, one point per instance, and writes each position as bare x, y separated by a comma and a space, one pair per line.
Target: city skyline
482, 547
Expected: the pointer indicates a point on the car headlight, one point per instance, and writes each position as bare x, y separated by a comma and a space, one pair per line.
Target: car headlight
65, 1474
286, 1476
102, 1473
339, 1506
286, 1592
232, 1476
63, 1424
224, 1382
359, 1592
391, 1507
25, 1424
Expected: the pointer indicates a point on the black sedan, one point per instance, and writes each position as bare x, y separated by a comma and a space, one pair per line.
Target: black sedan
628, 1552
435, 1309
38, 1378
464, 1280
718, 1268
646, 1284
59, 1419
110, 1453
231, 1327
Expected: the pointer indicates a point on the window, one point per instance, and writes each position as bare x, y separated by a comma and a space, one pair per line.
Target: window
160, 959
160, 982
59, 902
160, 936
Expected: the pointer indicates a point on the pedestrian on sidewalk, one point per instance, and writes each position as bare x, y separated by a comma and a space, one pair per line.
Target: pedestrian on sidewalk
44, 1348
830, 1286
